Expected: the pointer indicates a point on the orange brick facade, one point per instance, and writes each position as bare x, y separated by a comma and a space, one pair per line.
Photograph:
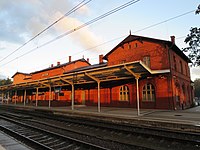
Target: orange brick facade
162, 90
21, 77
59, 69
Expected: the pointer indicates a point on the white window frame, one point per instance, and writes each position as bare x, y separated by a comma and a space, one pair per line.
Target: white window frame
148, 93
124, 93
146, 60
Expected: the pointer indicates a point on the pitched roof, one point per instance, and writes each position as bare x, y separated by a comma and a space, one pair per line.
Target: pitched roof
21, 73
131, 38
61, 65
87, 67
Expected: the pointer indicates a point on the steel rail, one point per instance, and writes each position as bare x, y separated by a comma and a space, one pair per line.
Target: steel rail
34, 143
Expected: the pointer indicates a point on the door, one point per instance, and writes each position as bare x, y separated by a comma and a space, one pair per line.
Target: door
83, 97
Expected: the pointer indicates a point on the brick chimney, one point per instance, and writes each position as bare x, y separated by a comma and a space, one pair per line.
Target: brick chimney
58, 63
51, 65
100, 59
88, 60
172, 39
70, 58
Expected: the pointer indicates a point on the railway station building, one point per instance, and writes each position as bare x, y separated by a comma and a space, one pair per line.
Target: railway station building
138, 72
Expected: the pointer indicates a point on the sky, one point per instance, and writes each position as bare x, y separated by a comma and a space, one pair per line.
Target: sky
20, 20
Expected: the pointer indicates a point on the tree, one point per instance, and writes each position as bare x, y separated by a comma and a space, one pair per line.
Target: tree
5, 81
193, 39
198, 10
197, 87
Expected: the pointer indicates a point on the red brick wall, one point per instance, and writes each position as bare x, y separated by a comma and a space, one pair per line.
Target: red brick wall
129, 52
58, 71
180, 81
165, 84
19, 78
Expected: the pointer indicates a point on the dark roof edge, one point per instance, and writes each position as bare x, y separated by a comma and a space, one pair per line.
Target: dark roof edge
131, 38
28, 74
87, 67
61, 65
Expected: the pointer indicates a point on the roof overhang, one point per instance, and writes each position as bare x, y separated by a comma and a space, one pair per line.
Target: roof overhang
136, 69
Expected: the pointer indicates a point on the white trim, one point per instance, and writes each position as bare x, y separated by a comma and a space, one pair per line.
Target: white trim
160, 71
145, 66
154, 71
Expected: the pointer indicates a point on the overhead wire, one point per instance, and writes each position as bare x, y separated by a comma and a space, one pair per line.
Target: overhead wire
172, 18
96, 19
78, 6
78, 28
145, 28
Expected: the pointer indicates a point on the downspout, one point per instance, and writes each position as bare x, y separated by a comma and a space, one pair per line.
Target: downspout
171, 79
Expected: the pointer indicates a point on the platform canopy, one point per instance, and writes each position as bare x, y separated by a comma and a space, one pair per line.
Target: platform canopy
88, 75
123, 71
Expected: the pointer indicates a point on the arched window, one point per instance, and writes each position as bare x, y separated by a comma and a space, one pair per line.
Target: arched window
188, 94
124, 93
148, 93
184, 92
177, 93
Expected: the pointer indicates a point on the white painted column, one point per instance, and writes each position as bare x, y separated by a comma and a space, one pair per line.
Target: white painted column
58, 95
72, 96
8, 97
99, 97
138, 96
2, 96
36, 99
50, 96
15, 97
24, 97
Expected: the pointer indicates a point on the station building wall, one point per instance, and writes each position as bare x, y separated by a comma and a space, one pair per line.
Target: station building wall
55, 71
161, 91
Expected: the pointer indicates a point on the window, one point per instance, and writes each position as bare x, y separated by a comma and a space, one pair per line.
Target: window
148, 93
146, 61
135, 45
186, 70
129, 46
175, 63
181, 66
184, 93
124, 93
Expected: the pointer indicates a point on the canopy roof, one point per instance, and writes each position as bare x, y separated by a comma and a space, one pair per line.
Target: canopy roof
102, 73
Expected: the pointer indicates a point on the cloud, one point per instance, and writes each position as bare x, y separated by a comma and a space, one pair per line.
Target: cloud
85, 37
2, 76
13, 18
20, 20
2, 48
195, 73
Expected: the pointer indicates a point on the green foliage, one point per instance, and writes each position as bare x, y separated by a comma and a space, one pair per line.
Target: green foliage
198, 10
193, 40
5, 81
193, 50
197, 87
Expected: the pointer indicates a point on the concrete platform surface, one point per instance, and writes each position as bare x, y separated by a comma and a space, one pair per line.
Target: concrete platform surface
188, 116
185, 117
8, 143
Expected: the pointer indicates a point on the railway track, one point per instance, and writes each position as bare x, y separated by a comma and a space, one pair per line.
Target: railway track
38, 138
119, 136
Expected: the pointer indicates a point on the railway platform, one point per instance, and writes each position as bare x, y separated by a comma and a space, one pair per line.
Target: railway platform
179, 118
8, 143
187, 120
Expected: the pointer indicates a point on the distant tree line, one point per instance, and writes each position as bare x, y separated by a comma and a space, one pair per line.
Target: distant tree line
197, 87
5, 81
